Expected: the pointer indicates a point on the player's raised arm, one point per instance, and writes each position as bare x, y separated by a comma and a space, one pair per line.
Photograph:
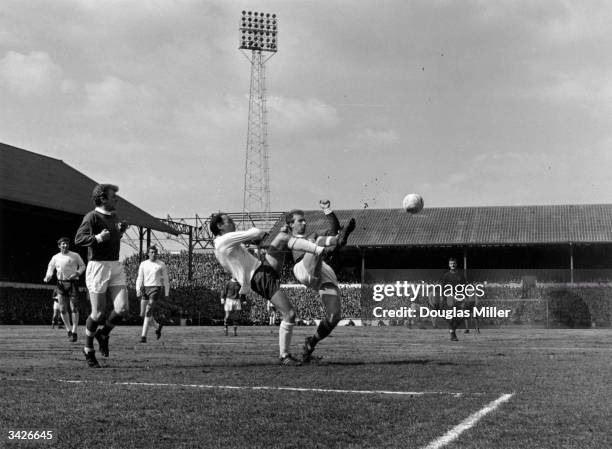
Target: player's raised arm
238, 237
85, 235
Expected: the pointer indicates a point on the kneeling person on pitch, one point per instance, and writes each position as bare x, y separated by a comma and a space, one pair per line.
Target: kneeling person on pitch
152, 277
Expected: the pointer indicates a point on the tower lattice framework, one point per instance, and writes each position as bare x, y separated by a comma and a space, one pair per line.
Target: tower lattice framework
257, 170
258, 34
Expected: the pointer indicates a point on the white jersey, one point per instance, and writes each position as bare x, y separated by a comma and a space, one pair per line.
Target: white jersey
153, 274
66, 265
234, 257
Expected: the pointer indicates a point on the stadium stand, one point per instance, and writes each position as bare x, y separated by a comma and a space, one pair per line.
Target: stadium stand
548, 247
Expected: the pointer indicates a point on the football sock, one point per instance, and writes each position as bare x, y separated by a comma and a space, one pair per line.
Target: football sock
145, 326
285, 332
66, 320
75, 321
113, 319
326, 241
91, 326
323, 330
301, 244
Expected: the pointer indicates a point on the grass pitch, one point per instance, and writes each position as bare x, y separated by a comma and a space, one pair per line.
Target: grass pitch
386, 387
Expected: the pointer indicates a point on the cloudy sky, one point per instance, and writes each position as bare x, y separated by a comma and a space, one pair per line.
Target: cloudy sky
467, 102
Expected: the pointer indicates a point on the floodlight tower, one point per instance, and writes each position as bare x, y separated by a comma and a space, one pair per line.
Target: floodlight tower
258, 33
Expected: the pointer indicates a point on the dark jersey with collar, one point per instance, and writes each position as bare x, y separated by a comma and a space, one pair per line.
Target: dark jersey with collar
312, 237
332, 228
453, 278
232, 290
94, 223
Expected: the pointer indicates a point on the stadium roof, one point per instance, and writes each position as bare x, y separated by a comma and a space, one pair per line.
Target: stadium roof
37, 180
451, 226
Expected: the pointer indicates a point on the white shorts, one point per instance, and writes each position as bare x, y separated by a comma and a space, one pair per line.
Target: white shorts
327, 276
103, 274
56, 306
232, 305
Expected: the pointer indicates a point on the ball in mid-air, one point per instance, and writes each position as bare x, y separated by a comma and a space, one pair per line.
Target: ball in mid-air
413, 203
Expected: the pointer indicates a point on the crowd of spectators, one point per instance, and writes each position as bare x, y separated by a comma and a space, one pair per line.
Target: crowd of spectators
32, 306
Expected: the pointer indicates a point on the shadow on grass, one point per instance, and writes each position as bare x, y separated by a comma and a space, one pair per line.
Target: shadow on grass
391, 362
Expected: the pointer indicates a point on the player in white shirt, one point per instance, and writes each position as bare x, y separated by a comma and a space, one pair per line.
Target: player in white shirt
261, 277
152, 277
69, 266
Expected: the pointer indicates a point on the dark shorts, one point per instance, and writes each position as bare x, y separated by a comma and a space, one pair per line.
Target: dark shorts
68, 288
265, 281
152, 293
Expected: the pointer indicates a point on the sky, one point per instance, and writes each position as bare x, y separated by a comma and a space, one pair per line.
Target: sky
469, 103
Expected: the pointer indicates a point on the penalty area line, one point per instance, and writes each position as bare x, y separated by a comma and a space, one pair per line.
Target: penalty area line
272, 388
467, 423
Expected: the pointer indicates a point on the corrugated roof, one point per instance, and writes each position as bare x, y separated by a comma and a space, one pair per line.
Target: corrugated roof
38, 180
500, 225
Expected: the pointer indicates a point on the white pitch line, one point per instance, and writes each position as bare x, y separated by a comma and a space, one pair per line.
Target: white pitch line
269, 388
467, 423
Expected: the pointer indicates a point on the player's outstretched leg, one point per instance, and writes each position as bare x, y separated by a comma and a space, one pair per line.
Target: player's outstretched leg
155, 318
98, 304
453, 323
120, 309
91, 327
74, 305
235, 316
226, 320
158, 330
330, 296
63, 304
448, 304
145, 315
285, 330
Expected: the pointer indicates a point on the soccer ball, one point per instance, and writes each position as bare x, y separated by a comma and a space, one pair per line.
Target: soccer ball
413, 203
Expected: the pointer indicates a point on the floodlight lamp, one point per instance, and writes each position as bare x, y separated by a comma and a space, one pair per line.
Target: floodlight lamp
259, 32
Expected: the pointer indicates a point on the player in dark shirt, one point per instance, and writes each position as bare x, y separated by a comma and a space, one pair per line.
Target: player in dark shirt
312, 271
453, 277
232, 304
101, 233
